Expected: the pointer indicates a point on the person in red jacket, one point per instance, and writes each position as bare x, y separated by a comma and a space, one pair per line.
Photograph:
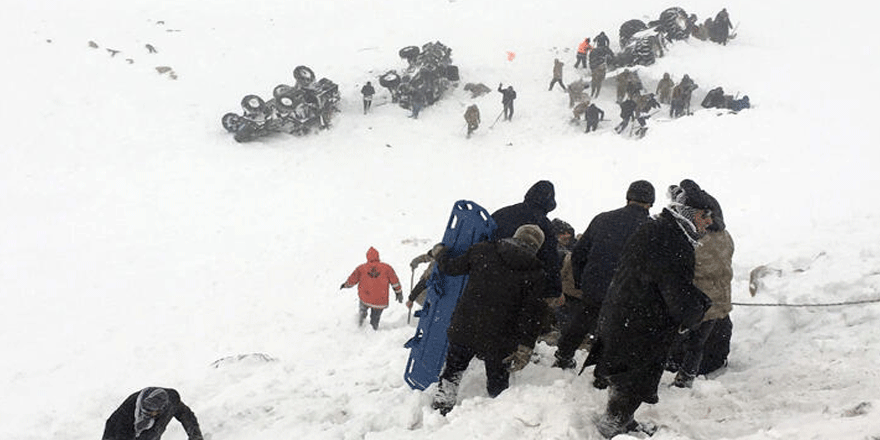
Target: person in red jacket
582, 51
373, 279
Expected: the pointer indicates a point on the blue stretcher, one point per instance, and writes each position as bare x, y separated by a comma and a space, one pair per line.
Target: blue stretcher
469, 223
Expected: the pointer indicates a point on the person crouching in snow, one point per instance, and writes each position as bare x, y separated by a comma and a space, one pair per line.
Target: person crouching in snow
497, 318
373, 279
145, 414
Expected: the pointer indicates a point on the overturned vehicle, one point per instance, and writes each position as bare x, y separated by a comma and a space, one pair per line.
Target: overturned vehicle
428, 75
296, 109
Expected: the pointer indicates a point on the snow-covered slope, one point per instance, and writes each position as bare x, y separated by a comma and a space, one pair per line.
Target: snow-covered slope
139, 243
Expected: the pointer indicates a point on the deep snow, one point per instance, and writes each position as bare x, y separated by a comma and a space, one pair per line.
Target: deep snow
140, 245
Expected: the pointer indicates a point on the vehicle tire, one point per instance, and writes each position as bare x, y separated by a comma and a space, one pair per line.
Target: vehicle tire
247, 132
252, 103
285, 103
230, 122
409, 52
280, 90
390, 80
303, 75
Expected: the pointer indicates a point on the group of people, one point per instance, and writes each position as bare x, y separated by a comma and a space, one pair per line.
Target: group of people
642, 293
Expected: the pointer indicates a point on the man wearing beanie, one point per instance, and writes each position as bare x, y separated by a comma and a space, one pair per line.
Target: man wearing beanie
651, 299
145, 414
593, 259
497, 316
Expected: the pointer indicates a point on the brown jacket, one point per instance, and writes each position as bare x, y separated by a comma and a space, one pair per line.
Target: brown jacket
713, 271
567, 275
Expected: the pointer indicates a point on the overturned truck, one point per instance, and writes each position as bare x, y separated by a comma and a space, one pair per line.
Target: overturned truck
429, 73
298, 109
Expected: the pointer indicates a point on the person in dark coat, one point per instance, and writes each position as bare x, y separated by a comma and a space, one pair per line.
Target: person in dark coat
593, 115
368, 91
145, 414
628, 112
593, 260
601, 40
651, 299
539, 201
497, 316
507, 97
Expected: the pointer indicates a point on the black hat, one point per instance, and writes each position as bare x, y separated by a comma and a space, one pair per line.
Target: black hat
690, 194
640, 191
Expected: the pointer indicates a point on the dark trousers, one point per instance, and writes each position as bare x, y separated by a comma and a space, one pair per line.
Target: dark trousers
592, 125
583, 322
367, 103
581, 60
457, 359
508, 111
693, 347
375, 315
556, 81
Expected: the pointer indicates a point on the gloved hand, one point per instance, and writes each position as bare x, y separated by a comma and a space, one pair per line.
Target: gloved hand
409, 304
413, 264
438, 249
518, 359
398, 296
342, 286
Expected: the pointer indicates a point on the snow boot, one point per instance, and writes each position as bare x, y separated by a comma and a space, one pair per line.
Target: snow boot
683, 380
444, 400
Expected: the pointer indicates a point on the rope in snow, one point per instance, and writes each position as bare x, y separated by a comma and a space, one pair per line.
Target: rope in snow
846, 303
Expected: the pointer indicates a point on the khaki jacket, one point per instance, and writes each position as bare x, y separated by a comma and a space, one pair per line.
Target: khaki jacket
713, 271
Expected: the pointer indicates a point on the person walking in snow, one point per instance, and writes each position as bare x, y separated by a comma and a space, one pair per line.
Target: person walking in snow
713, 273
368, 91
507, 97
373, 279
557, 74
593, 261
472, 117
145, 414
651, 299
593, 115
497, 317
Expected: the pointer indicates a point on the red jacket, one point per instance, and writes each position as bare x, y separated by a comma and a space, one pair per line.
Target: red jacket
373, 279
584, 47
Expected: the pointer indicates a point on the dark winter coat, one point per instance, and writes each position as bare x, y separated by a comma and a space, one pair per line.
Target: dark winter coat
539, 200
120, 425
500, 308
600, 56
627, 109
651, 297
368, 91
507, 95
595, 255
594, 113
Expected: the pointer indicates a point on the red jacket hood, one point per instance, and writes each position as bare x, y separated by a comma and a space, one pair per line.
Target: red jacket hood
372, 255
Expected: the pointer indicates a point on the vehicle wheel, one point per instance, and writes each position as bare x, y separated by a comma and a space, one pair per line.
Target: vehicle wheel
285, 103
252, 103
230, 122
390, 80
247, 132
409, 52
303, 75
280, 90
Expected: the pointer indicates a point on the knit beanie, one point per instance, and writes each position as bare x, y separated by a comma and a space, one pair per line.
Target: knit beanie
640, 191
531, 236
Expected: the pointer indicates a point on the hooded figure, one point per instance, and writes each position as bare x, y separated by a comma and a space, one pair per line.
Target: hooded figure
373, 279
145, 414
497, 317
651, 299
539, 200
